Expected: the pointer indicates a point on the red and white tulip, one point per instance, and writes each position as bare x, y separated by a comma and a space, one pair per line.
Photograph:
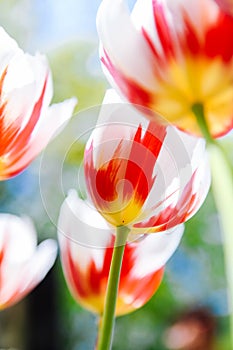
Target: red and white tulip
86, 245
27, 122
23, 265
146, 175
170, 56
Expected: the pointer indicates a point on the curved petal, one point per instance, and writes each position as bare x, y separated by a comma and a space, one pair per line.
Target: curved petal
22, 89
17, 238
52, 123
22, 279
117, 122
8, 48
82, 223
118, 35
22, 265
182, 180
26, 122
38, 266
153, 252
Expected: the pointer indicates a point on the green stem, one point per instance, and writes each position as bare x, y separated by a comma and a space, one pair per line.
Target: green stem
107, 323
198, 111
222, 186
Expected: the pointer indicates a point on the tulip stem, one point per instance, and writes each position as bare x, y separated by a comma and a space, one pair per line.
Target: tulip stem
105, 335
222, 187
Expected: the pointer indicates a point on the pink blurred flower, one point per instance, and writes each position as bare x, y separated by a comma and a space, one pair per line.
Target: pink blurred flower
86, 244
141, 174
170, 56
23, 265
27, 123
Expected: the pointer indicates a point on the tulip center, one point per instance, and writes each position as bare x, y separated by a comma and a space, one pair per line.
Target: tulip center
209, 81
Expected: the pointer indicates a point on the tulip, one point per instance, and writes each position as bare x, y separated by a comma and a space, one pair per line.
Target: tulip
142, 174
22, 265
171, 57
27, 122
86, 245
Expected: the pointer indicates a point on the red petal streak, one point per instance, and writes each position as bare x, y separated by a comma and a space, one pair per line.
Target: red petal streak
135, 93
145, 150
174, 215
7, 133
16, 142
102, 182
91, 283
23, 138
219, 40
191, 42
134, 170
2, 257
215, 41
15, 294
163, 30
151, 45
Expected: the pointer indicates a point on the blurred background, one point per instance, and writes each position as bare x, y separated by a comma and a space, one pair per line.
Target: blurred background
189, 311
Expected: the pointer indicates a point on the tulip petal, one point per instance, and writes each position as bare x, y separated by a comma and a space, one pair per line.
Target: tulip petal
23, 278
27, 123
119, 35
82, 223
8, 48
19, 236
182, 181
54, 120
23, 265
117, 123
154, 251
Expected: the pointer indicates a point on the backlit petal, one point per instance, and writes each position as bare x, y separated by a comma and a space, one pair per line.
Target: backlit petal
188, 59
25, 94
22, 264
86, 261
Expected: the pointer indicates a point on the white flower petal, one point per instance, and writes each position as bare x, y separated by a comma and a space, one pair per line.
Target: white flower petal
41, 71
54, 120
51, 124
181, 156
8, 48
23, 264
143, 17
155, 250
40, 263
23, 86
123, 42
18, 236
79, 221
28, 123
117, 125
20, 279
84, 229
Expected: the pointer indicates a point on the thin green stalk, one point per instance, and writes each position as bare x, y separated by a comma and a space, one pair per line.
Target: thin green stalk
222, 186
105, 335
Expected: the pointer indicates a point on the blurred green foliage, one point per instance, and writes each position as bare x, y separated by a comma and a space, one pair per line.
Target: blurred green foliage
75, 71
